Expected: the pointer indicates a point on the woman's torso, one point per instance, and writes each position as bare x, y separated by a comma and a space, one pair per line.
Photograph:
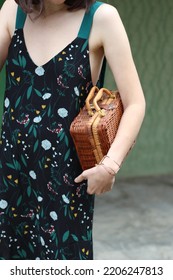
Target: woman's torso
47, 36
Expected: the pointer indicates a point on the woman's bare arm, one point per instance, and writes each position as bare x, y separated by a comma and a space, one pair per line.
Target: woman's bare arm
112, 37
119, 57
7, 25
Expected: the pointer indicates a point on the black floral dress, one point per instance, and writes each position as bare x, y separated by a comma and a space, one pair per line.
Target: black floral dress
43, 213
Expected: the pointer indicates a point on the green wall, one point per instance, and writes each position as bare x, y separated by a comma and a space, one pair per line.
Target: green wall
1, 2
149, 26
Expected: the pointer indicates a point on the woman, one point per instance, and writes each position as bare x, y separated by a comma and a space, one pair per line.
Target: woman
54, 51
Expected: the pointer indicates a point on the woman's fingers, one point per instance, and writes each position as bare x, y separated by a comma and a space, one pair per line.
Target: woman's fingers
80, 178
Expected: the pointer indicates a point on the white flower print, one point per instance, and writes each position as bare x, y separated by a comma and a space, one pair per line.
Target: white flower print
62, 112
39, 71
39, 198
76, 91
3, 204
32, 174
46, 96
7, 102
37, 119
65, 199
46, 144
54, 215
42, 241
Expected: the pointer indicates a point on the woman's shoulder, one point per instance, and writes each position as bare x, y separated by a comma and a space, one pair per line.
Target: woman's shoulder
107, 19
8, 13
105, 12
107, 16
9, 5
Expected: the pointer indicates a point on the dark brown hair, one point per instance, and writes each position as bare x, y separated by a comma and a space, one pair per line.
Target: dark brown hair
28, 5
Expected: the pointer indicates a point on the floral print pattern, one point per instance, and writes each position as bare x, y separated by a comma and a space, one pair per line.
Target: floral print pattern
43, 213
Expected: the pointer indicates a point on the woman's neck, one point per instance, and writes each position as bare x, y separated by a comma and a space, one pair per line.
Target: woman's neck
52, 8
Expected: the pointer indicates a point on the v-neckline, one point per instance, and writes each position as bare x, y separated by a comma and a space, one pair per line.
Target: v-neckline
52, 58
56, 55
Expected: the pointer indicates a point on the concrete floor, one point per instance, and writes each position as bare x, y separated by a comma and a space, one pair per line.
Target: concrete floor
135, 220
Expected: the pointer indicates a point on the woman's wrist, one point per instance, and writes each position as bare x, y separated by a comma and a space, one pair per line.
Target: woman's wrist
110, 165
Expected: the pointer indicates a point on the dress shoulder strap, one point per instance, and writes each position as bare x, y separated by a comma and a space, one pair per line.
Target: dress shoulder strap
84, 33
20, 18
86, 25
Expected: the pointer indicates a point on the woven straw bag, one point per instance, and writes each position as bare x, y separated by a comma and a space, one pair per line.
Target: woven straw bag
95, 127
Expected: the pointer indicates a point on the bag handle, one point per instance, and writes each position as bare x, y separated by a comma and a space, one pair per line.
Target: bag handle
99, 96
91, 94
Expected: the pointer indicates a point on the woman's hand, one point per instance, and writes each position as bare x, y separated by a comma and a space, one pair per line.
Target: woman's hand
99, 180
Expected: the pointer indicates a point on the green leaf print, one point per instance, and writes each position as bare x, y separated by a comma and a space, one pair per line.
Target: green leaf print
40, 164
66, 141
26, 124
31, 247
56, 255
22, 253
22, 61
16, 164
30, 129
23, 160
63, 257
69, 69
38, 92
16, 257
53, 235
18, 101
75, 237
36, 146
65, 210
89, 234
84, 238
35, 132
49, 111
15, 62
65, 236
67, 154
29, 191
19, 200
42, 213
29, 91
61, 135
10, 165
5, 183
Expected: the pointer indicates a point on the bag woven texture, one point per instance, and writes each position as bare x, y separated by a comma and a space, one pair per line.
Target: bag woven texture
95, 127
